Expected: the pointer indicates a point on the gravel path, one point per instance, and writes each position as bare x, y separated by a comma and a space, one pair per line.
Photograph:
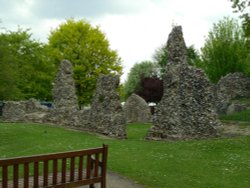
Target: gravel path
235, 129
117, 181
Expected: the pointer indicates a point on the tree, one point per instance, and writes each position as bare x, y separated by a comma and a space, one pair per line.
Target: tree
225, 50
160, 56
243, 6
193, 56
137, 73
151, 89
145, 77
25, 71
8, 74
88, 50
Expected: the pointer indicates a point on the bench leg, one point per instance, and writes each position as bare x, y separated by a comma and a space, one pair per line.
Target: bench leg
91, 186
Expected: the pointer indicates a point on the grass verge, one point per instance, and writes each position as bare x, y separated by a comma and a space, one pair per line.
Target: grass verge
240, 116
200, 163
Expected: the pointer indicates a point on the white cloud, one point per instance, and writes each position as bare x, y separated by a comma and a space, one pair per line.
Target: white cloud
24, 9
136, 36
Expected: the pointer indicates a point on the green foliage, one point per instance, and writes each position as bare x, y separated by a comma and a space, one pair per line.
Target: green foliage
160, 56
138, 71
152, 164
25, 71
239, 116
121, 92
154, 69
8, 73
243, 6
88, 50
193, 56
225, 50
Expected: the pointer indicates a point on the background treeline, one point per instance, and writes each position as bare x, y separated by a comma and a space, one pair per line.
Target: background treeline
28, 67
226, 50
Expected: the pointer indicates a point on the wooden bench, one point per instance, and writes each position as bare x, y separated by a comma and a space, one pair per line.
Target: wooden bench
67, 169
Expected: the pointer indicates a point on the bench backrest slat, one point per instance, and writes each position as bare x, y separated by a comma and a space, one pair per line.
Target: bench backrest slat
80, 169
64, 160
5, 176
54, 171
72, 168
15, 175
36, 174
45, 172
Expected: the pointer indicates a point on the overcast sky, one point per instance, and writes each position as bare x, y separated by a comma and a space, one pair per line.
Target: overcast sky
135, 28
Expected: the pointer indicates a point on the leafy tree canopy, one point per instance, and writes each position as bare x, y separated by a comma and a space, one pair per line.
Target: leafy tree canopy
225, 50
151, 89
145, 77
88, 50
137, 72
243, 6
25, 72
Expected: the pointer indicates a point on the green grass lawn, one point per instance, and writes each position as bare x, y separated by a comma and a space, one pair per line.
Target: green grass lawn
239, 116
199, 163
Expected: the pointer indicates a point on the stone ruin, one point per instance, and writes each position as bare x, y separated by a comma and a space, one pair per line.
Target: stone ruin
64, 94
65, 111
106, 114
136, 109
30, 110
231, 86
186, 110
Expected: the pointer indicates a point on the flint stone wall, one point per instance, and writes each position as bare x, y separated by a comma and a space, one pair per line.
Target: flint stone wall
30, 110
106, 114
229, 87
136, 109
234, 108
64, 93
65, 111
186, 110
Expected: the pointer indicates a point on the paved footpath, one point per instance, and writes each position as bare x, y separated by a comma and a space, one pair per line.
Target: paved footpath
117, 181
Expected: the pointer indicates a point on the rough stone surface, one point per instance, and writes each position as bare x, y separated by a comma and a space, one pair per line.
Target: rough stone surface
64, 93
136, 110
30, 110
234, 108
186, 110
106, 114
65, 111
231, 86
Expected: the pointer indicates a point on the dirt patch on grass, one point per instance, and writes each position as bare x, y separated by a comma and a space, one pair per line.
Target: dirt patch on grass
235, 129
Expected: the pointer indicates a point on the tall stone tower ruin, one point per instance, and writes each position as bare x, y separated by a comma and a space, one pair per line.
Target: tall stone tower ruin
186, 110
